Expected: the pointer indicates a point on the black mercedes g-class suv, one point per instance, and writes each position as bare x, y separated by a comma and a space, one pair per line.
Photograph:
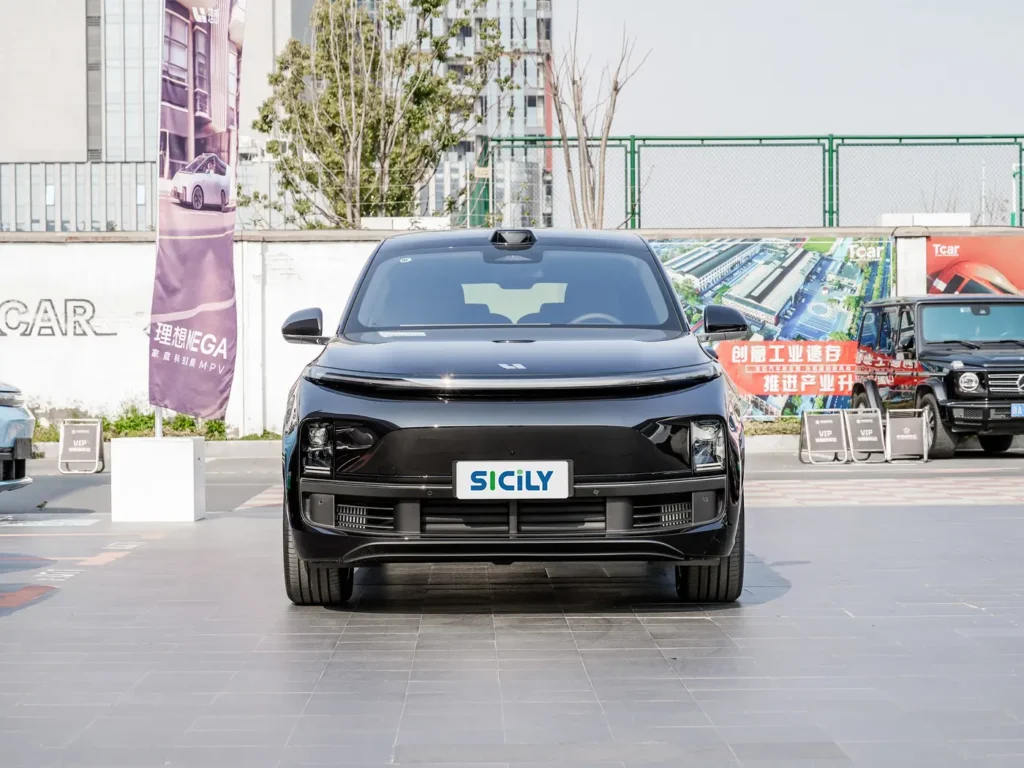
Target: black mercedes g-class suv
959, 358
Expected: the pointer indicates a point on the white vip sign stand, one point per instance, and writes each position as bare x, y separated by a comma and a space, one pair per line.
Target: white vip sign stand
158, 479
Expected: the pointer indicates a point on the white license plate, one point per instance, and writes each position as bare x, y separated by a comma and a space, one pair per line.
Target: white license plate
512, 479
1017, 411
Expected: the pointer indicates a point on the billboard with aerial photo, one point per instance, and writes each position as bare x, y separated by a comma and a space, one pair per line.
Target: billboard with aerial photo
802, 298
990, 264
193, 325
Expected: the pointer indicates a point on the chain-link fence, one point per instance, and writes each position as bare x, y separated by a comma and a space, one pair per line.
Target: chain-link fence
704, 182
927, 175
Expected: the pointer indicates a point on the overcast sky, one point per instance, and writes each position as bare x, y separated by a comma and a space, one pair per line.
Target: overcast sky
743, 67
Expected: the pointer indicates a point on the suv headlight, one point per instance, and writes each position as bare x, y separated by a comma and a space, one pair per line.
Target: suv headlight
707, 445
968, 382
318, 447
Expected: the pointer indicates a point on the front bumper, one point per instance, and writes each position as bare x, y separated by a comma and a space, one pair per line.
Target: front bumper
986, 417
14, 464
349, 524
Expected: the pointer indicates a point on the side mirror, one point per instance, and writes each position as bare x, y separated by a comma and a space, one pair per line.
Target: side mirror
722, 324
907, 344
304, 327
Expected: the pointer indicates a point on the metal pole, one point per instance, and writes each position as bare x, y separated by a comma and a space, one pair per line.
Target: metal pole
159, 428
1020, 186
831, 181
633, 223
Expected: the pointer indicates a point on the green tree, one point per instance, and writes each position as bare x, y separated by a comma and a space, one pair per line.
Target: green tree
360, 117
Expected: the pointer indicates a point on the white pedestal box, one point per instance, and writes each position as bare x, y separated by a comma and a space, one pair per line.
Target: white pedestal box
157, 480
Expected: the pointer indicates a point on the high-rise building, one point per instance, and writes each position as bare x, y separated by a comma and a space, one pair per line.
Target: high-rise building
525, 26
80, 144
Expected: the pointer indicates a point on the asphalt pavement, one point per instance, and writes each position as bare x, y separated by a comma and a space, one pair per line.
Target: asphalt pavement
880, 626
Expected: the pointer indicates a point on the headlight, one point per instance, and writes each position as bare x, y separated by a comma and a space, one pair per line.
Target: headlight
707, 445
968, 382
291, 410
12, 399
318, 448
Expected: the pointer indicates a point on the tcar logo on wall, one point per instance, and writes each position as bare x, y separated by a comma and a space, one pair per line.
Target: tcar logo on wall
49, 317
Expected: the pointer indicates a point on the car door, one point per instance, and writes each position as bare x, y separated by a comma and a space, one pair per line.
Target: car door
904, 362
885, 352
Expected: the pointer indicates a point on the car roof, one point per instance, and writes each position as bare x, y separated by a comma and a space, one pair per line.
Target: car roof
944, 298
482, 237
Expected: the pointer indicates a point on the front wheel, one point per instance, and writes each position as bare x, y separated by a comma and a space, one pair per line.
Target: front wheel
223, 200
721, 583
197, 198
941, 441
306, 585
995, 443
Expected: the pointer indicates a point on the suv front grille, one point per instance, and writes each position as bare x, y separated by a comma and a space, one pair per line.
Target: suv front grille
561, 517
1006, 383
457, 518
461, 518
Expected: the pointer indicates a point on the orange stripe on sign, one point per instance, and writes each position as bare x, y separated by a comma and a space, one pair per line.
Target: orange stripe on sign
22, 596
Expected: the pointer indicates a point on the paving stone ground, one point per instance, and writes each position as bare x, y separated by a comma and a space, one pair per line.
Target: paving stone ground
868, 635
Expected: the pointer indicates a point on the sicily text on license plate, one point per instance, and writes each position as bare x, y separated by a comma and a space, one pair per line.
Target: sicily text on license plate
1017, 411
512, 479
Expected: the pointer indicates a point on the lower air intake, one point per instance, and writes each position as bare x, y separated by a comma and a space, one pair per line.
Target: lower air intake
653, 516
357, 518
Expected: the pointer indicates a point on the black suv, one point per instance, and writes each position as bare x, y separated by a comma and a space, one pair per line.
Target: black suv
960, 359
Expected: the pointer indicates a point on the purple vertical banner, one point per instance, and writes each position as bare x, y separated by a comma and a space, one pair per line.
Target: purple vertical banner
194, 321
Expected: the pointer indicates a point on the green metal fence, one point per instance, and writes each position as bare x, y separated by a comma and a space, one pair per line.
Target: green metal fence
675, 182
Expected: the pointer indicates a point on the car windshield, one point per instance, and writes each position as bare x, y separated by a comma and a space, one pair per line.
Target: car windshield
537, 286
194, 166
975, 321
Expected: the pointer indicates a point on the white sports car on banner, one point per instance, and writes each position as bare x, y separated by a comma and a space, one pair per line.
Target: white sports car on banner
16, 427
204, 182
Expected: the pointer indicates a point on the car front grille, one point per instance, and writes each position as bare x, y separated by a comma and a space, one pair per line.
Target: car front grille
458, 518
455, 518
564, 517
1006, 383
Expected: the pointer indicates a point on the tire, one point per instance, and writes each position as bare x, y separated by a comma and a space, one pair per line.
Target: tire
722, 583
861, 401
942, 442
306, 585
223, 200
197, 198
995, 443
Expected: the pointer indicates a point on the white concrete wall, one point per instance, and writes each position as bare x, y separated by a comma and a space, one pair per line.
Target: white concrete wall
62, 357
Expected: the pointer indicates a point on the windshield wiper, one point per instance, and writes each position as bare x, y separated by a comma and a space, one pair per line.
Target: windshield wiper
961, 342
1018, 342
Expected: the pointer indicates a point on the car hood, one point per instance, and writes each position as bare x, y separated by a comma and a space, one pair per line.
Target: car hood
1001, 357
9, 389
616, 358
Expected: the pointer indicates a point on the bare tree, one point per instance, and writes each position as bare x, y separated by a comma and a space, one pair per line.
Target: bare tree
569, 93
362, 115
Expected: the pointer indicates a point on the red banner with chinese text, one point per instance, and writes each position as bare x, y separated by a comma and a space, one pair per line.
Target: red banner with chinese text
790, 368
